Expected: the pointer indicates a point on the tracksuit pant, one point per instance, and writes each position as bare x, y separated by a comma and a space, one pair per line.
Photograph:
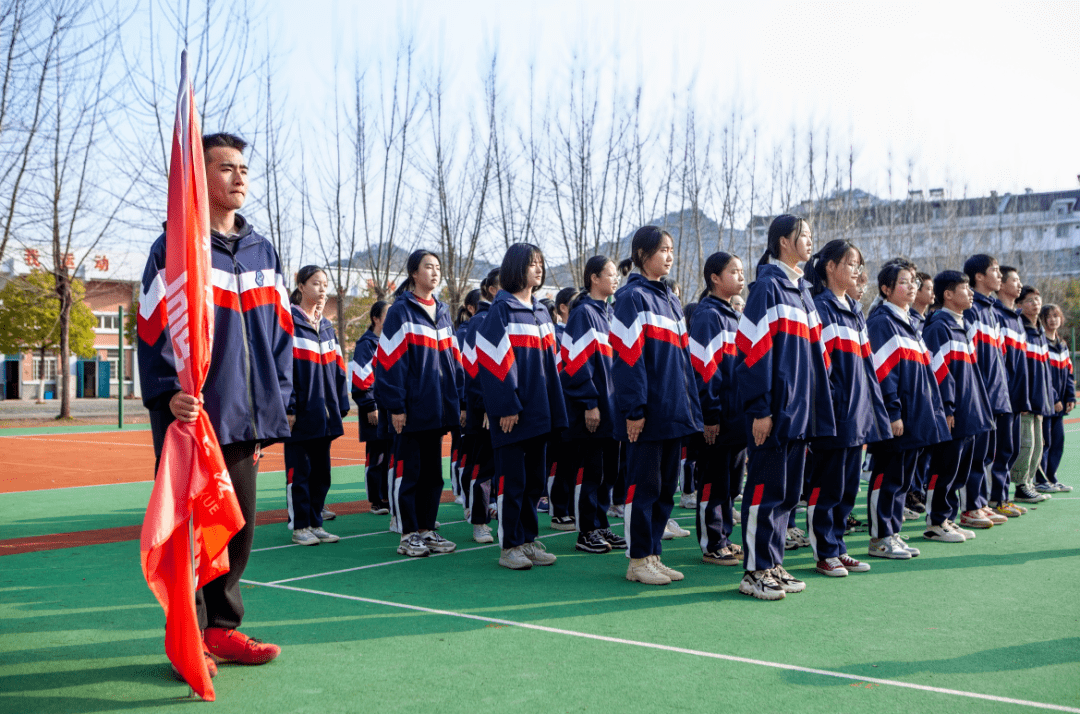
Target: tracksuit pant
1007, 436
950, 461
774, 478
375, 471
519, 468
478, 471
455, 462
1053, 447
689, 465
890, 481
307, 474
974, 491
618, 491
717, 479
834, 484
560, 478
218, 603
418, 479
922, 475
1029, 450
595, 466
652, 474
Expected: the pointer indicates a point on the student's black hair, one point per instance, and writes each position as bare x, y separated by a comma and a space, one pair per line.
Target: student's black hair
472, 299
781, 227
564, 296
832, 252
714, 265
1025, 292
688, 311
646, 242
490, 280
515, 267
231, 141
550, 305
411, 266
890, 273
672, 284
947, 280
922, 277
1006, 270
978, 264
302, 276
377, 312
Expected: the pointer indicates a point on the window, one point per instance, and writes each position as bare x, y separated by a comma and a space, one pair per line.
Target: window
50, 368
1063, 230
108, 322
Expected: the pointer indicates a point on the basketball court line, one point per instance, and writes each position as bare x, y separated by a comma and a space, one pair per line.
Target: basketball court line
669, 648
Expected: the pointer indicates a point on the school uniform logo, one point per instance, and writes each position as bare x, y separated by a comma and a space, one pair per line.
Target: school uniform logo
260, 279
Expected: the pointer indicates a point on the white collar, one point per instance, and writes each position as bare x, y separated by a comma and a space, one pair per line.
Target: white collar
793, 274
956, 316
901, 313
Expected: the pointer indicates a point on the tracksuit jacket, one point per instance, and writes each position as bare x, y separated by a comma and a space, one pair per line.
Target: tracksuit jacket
1014, 339
861, 417
984, 329
1041, 392
319, 379
248, 389
515, 356
652, 364
953, 360
418, 367
362, 382
715, 358
917, 320
1061, 372
585, 369
784, 369
474, 391
908, 385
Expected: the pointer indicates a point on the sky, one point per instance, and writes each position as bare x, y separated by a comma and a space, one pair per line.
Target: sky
979, 97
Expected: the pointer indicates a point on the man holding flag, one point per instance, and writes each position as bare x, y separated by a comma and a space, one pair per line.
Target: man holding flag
247, 397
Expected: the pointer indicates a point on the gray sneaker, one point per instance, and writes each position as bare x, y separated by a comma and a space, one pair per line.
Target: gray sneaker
323, 535
436, 543
413, 546
537, 554
304, 536
514, 559
327, 514
482, 534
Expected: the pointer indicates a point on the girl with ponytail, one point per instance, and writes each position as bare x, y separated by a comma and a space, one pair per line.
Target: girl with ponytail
784, 387
656, 402
835, 461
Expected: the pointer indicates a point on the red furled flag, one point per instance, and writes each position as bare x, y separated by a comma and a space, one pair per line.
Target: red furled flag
193, 510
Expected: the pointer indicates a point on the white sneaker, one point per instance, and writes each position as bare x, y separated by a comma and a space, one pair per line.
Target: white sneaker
643, 570
537, 553
968, 535
688, 500
436, 543
762, 585
943, 534
304, 536
915, 552
910, 515
413, 546
327, 514
796, 538
1062, 488
616, 511
887, 547
674, 530
482, 534
323, 535
514, 559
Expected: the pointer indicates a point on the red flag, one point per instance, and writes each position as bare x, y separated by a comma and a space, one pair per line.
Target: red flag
193, 510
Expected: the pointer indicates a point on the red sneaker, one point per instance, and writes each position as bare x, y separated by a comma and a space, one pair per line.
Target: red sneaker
233, 646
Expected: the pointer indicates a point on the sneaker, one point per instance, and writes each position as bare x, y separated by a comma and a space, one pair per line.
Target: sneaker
796, 538
1062, 488
413, 546
1026, 494
233, 646
762, 585
688, 500
543, 505
854, 525
832, 567
974, 519
996, 518
915, 552
514, 559
641, 570
537, 553
304, 536
493, 513
736, 550
888, 548
852, 565
460, 499
800, 507
395, 525
910, 515
562, 523
788, 582
665, 570
1005, 509
1020, 509
592, 542
674, 530
1046, 488
323, 535
724, 556
736, 516
617, 542
616, 511
327, 514
738, 498
968, 535
436, 543
944, 534
914, 502
466, 514
482, 534
379, 510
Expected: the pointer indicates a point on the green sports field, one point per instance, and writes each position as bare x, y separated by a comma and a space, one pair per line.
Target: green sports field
991, 625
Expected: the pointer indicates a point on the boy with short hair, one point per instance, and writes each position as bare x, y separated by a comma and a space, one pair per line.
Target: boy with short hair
967, 407
1014, 343
915, 501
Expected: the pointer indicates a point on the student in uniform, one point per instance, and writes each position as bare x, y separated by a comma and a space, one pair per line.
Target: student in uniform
919, 313
784, 387
418, 379
963, 395
322, 400
721, 446
656, 399
914, 405
1040, 398
590, 452
479, 466
362, 377
1014, 338
836, 461
457, 443
523, 400
1064, 390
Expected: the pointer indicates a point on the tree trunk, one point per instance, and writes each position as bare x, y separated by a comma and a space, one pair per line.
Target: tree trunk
63, 289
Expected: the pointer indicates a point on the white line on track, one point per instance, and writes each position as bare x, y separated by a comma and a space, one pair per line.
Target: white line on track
678, 650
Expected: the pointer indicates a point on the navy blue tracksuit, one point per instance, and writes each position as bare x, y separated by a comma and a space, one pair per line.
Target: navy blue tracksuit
1014, 346
377, 448
1064, 391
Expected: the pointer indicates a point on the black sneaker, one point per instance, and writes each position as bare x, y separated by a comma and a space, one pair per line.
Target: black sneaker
914, 502
617, 542
854, 525
562, 523
592, 542
1026, 494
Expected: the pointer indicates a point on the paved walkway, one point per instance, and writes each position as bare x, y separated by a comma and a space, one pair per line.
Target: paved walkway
80, 408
